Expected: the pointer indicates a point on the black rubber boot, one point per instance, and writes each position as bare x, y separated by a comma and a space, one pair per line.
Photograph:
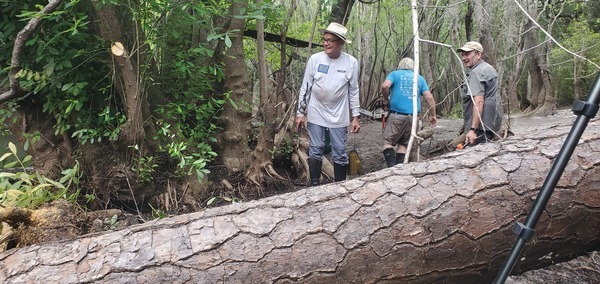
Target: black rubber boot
390, 157
400, 158
314, 169
340, 171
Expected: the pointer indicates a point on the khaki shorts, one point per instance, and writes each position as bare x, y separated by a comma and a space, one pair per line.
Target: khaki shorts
397, 129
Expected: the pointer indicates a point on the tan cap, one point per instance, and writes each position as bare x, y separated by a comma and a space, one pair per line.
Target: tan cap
471, 45
337, 30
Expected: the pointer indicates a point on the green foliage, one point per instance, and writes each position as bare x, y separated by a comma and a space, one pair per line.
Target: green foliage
273, 16
62, 67
68, 69
30, 190
580, 39
144, 166
158, 214
217, 199
457, 111
187, 122
284, 150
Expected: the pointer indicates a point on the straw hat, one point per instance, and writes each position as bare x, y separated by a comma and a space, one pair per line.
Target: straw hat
337, 30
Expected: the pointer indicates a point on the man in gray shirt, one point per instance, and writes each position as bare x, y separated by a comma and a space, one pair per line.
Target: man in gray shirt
482, 105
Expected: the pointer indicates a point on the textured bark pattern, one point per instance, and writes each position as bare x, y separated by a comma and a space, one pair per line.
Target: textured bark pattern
584, 269
446, 220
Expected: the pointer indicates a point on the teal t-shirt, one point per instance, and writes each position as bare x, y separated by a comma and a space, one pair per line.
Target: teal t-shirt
401, 93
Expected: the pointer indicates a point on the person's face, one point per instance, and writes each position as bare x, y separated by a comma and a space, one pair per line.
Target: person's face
332, 45
470, 58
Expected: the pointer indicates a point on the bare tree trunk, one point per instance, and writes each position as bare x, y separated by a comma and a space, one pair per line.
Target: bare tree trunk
235, 119
262, 166
513, 71
443, 221
540, 88
482, 13
469, 21
540, 92
133, 131
283, 96
341, 10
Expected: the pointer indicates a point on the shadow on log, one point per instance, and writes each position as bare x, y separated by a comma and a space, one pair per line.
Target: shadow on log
446, 220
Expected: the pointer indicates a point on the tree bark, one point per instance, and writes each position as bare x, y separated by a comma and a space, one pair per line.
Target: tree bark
133, 131
584, 269
261, 166
340, 12
446, 220
539, 86
233, 140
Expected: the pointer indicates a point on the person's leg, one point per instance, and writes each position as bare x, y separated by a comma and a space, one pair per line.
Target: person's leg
404, 137
389, 155
390, 137
400, 154
340, 154
316, 135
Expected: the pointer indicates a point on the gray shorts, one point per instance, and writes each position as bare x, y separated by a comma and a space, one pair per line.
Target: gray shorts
397, 129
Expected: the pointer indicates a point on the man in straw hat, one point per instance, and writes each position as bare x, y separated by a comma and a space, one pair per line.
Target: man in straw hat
328, 102
482, 106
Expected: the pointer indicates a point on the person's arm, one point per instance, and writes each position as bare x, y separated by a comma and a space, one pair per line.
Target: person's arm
385, 91
304, 95
353, 91
431, 102
476, 121
385, 87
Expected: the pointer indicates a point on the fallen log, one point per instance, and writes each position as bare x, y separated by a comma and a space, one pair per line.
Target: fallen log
584, 269
446, 220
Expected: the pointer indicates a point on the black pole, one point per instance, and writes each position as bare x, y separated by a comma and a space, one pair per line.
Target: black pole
584, 111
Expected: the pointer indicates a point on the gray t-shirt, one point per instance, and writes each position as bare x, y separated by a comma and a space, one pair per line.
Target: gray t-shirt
482, 80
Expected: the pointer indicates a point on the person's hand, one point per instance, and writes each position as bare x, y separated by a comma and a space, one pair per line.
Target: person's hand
300, 122
355, 125
471, 137
432, 120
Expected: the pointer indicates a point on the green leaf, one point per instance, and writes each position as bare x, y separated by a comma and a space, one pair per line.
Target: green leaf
26, 159
211, 200
228, 41
11, 165
66, 86
6, 155
12, 148
6, 175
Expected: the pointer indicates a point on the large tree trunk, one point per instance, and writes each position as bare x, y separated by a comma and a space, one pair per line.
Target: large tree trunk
486, 38
539, 86
340, 12
447, 220
233, 140
262, 166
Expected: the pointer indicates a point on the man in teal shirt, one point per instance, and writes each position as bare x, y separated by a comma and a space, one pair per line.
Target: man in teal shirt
399, 87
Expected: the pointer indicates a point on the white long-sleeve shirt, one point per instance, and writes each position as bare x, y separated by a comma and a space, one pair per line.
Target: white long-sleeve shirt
334, 93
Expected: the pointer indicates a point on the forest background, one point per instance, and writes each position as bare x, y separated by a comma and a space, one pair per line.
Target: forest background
128, 104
